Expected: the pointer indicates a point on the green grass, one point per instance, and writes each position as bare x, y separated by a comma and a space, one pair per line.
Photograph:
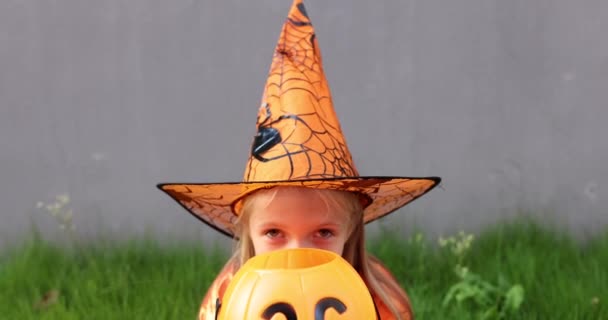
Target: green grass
142, 279
562, 279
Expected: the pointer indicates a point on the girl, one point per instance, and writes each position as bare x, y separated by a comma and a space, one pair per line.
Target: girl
297, 217
301, 187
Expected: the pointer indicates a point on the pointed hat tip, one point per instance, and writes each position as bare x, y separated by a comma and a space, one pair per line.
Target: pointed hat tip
297, 7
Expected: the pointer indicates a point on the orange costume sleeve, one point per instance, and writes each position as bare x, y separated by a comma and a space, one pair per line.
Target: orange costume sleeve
400, 300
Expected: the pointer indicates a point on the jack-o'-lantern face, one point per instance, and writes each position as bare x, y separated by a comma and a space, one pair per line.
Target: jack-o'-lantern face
297, 284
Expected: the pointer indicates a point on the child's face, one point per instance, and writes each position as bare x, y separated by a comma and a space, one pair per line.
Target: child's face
297, 219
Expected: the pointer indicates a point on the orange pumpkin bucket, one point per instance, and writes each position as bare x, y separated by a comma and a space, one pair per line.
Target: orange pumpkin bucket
297, 284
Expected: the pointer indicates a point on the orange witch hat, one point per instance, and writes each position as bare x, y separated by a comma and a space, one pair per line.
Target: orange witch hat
298, 141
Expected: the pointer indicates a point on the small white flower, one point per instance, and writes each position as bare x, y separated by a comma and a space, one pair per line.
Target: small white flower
63, 198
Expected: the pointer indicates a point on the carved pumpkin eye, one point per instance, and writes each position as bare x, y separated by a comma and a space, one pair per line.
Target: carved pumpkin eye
280, 307
290, 313
327, 303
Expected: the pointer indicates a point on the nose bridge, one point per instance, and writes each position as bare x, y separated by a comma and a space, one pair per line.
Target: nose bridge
299, 242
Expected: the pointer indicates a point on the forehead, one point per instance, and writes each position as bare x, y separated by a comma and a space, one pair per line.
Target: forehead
284, 204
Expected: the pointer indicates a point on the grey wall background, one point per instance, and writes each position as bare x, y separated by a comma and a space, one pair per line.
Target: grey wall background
506, 100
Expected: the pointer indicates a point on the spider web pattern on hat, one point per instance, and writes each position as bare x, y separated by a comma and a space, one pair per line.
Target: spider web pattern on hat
297, 107
298, 142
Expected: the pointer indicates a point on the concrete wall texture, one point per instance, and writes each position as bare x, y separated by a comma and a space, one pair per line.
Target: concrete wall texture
101, 100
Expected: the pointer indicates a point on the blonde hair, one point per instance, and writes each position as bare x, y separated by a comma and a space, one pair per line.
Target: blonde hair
354, 249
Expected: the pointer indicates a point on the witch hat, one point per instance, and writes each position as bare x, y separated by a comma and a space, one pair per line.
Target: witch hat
298, 142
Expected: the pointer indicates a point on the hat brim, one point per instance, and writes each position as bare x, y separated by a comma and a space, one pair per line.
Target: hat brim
213, 203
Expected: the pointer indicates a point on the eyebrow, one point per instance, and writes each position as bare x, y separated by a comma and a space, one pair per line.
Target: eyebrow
331, 224
273, 224
267, 224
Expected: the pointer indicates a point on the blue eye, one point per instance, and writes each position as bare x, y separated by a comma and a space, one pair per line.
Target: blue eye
325, 233
272, 233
